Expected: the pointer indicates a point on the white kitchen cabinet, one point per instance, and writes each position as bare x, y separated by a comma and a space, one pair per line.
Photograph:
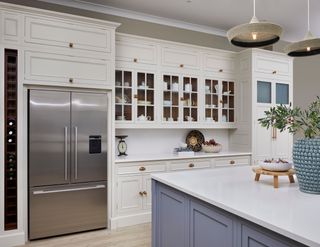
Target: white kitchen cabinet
272, 65
47, 68
232, 161
220, 63
57, 32
135, 96
189, 164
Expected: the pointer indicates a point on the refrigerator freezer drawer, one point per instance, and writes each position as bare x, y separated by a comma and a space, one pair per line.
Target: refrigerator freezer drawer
66, 209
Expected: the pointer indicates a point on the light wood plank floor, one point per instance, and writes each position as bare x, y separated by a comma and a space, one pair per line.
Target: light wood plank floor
135, 236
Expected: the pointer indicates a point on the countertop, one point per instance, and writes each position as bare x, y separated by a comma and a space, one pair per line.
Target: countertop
172, 156
285, 210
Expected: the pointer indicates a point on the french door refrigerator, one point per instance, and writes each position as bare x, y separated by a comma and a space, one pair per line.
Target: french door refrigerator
67, 162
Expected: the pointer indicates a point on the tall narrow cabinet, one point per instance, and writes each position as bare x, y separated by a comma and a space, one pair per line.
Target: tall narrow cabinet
265, 80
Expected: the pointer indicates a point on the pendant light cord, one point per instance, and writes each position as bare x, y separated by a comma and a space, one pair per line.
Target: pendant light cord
308, 15
254, 7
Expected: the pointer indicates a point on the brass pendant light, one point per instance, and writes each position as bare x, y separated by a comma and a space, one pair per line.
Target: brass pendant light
309, 46
255, 33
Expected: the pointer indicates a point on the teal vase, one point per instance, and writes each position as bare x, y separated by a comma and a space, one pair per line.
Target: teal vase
306, 159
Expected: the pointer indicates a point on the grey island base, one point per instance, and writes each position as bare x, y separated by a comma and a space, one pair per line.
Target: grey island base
213, 209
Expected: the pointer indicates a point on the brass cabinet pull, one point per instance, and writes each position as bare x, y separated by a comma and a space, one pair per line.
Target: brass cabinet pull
71, 80
141, 193
135, 60
274, 133
274, 72
145, 193
71, 45
232, 162
181, 65
142, 168
220, 70
181, 98
191, 165
221, 101
135, 96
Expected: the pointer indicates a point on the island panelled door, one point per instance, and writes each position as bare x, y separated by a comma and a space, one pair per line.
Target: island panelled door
10, 148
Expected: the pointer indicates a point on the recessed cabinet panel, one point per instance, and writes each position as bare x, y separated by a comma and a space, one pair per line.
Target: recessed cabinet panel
282, 93
56, 32
47, 67
180, 58
189, 164
264, 94
134, 52
221, 64
11, 27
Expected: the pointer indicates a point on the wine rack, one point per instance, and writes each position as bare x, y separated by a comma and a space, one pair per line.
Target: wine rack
10, 169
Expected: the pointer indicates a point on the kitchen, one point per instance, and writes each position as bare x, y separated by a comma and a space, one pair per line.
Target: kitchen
99, 85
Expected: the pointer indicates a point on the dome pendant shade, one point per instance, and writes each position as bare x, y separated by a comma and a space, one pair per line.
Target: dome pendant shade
254, 34
308, 47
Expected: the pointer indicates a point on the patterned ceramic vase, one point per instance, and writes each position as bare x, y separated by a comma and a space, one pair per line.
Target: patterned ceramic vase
306, 159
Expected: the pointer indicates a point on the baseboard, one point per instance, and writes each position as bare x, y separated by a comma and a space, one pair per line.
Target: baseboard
12, 239
130, 220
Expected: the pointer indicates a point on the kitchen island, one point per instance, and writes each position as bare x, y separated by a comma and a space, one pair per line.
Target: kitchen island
226, 207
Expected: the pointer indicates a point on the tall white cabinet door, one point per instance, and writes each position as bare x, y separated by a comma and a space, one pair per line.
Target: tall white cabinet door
282, 145
129, 197
263, 137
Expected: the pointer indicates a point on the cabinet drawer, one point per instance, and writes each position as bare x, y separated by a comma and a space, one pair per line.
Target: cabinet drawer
180, 58
56, 32
48, 67
137, 53
273, 65
189, 164
221, 64
141, 168
230, 161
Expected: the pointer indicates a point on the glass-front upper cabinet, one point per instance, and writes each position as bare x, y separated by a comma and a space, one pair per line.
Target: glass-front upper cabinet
171, 88
273, 93
134, 96
228, 93
123, 95
190, 99
180, 98
212, 100
145, 97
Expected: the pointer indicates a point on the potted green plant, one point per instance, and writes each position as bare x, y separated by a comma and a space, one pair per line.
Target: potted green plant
306, 151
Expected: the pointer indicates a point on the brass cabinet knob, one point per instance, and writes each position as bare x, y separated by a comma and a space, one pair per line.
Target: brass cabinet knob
71, 80
181, 98
232, 162
135, 96
141, 193
181, 65
135, 60
274, 72
220, 70
145, 193
221, 101
142, 168
191, 165
71, 45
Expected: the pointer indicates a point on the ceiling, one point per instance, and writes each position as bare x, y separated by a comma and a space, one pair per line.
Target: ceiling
224, 14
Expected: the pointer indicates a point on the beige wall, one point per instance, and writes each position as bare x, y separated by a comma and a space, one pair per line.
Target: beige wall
306, 70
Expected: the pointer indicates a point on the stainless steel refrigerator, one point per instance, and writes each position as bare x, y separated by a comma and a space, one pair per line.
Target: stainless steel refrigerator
67, 162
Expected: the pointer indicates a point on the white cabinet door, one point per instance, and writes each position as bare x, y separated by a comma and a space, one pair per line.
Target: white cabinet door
273, 66
62, 33
224, 64
180, 58
129, 197
189, 164
49, 67
232, 161
282, 145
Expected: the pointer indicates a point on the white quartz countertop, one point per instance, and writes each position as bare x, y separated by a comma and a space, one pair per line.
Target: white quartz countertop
285, 210
172, 156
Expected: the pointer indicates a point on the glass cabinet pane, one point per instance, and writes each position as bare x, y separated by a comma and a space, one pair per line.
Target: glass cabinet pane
228, 94
170, 98
264, 92
145, 96
124, 95
190, 99
211, 100
282, 93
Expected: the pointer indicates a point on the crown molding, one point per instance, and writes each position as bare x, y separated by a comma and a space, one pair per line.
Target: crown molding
137, 16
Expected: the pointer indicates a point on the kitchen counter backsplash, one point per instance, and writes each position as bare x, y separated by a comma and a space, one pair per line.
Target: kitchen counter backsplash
161, 141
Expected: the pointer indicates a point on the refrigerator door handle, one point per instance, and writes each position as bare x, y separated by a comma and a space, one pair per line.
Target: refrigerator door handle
65, 153
40, 192
76, 152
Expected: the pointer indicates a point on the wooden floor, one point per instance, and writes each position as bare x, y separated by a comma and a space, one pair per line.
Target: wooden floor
136, 236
